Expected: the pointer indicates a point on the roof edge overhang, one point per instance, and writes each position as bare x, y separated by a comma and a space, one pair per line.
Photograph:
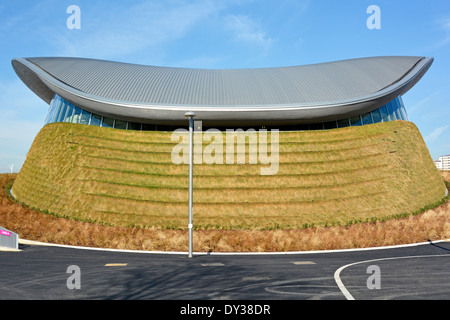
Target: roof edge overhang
45, 86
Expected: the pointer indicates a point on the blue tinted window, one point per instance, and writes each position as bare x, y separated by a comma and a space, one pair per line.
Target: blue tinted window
376, 116
401, 102
58, 110
120, 124
384, 113
366, 118
343, 123
48, 113
394, 110
108, 122
96, 120
403, 112
76, 115
396, 105
391, 112
85, 116
330, 125
134, 126
402, 108
52, 111
69, 113
355, 121
62, 112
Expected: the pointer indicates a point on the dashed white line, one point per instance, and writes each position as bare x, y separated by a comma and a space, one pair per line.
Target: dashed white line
302, 262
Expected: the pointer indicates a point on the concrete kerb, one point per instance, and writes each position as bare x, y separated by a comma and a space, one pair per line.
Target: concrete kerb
31, 242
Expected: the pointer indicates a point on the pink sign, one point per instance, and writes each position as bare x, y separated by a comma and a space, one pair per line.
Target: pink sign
5, 233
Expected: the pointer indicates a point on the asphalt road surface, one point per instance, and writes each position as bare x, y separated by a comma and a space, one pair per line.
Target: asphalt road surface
419, 272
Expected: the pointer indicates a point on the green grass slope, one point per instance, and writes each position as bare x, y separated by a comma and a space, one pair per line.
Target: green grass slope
328, 177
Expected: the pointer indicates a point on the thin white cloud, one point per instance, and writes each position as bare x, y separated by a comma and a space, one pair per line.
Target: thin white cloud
137, 28
16, 137
425, 101
248, 31
435, 134
443, 25
23, 114
200, 62
17, 101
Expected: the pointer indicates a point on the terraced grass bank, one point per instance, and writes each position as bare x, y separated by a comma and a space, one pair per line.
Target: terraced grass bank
331, 177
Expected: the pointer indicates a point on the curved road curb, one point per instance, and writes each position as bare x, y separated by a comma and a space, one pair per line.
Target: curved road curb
31, 242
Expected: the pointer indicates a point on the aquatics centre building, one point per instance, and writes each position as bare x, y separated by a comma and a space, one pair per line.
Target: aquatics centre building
344, 133
127, 96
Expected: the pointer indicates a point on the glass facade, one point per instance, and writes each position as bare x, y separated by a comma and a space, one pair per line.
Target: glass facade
62, 111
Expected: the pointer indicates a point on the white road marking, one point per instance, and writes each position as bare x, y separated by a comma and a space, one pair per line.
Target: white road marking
213, 264
344, 290
302, 262
255, 278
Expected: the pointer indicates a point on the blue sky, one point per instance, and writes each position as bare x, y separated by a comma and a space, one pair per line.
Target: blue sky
222, 34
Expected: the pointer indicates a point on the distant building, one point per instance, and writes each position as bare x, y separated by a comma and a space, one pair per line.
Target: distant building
443, 163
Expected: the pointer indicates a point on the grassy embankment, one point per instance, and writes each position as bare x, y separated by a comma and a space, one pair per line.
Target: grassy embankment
127, 184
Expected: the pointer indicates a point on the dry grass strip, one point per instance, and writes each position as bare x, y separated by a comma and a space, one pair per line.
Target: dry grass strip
432, 224
328, 178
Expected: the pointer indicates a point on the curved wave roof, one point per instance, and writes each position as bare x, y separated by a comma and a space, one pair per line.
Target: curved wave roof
294, 92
